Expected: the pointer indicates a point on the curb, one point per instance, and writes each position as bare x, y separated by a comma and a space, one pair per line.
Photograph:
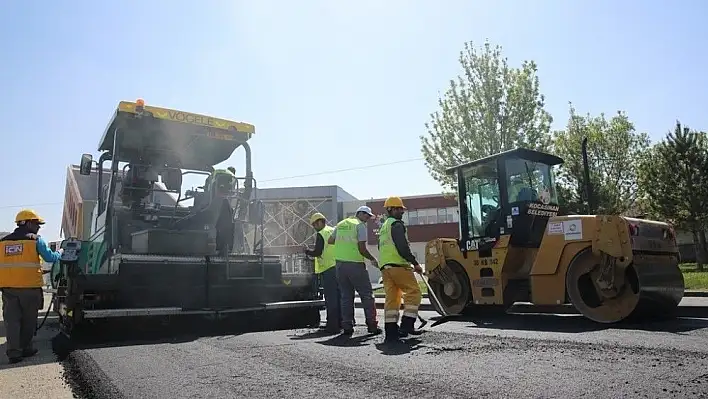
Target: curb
686, 294
695, 293
527, 308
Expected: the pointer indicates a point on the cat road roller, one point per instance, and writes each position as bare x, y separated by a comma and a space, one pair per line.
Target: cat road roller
150, 255
514, 247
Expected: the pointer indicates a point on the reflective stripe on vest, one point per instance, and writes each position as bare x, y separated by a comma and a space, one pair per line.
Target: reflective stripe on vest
20, 265
346, 244
326, 260
388, 254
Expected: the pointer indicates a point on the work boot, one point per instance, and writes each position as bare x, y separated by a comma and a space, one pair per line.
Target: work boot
348, 331
408, 326
391, 333
29, 352
15, 359
373, 329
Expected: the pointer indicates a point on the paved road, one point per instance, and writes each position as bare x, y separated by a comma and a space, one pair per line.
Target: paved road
525, 356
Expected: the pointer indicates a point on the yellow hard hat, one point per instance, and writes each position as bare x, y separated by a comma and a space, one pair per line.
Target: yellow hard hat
317, 216
394, 202
28, 214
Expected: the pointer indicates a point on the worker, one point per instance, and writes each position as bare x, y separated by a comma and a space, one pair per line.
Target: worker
349, 239
396, 259
21, 282
230, 172
326, 271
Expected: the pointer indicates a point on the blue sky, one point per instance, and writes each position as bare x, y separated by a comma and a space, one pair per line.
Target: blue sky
328, 85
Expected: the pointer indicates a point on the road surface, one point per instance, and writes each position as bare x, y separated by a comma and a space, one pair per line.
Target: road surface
39, 377
526, 356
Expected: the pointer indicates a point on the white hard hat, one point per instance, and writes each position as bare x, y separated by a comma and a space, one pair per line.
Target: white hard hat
365, 209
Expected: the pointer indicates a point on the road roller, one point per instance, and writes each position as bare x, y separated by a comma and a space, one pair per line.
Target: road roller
515, 246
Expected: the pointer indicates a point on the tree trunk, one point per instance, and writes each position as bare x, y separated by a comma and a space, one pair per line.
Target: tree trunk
702, 254
700, 249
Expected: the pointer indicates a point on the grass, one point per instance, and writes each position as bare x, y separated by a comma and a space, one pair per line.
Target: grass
694, 279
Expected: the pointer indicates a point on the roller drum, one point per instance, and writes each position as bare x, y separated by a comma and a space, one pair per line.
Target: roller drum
651, 287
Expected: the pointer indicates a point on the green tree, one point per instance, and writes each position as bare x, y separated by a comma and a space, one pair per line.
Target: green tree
614, 151
489, 108
674, 183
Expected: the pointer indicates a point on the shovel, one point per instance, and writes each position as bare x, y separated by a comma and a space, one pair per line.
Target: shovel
432, 295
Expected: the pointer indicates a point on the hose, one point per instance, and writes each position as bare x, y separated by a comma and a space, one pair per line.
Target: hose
44, 319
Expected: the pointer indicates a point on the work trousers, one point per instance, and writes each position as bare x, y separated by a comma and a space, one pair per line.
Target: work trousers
354, 276
332, 294
20, 309
397, 281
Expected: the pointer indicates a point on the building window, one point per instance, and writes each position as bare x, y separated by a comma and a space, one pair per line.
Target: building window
423, 216
431, 216
442, 215
453, 214
413, 217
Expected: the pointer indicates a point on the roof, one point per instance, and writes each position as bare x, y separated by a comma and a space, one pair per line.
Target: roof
191, 141
522, 153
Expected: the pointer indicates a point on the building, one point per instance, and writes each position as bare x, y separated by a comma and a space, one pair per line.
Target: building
286, 221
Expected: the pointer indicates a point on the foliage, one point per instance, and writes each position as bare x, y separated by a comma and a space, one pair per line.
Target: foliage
614, 150
674, 181
488, 109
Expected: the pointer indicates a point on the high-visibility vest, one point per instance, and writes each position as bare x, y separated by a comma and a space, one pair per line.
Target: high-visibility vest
326, 260
388, 254
215, 175
346, 244
20, 264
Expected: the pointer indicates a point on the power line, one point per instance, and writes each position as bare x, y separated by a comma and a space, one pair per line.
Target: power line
268, 180
346, 170
30, 205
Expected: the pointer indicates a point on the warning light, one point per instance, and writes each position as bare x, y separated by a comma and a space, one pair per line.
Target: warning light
140, 102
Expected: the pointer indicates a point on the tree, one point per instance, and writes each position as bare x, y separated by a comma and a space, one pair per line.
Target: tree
674, 181
614, 151
488, 109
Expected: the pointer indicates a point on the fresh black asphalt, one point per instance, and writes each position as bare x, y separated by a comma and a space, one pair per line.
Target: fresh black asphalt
517, 356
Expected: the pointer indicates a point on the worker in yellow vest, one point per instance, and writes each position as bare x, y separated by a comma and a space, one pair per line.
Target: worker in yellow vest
325, 270
21, 254
396, 258
349, 239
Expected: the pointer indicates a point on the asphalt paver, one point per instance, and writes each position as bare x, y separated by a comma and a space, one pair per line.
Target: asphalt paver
515, 356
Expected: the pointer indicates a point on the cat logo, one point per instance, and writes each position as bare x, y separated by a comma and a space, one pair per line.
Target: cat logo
286, 282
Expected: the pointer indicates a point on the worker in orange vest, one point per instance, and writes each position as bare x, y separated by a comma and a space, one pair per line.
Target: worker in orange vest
21, 254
